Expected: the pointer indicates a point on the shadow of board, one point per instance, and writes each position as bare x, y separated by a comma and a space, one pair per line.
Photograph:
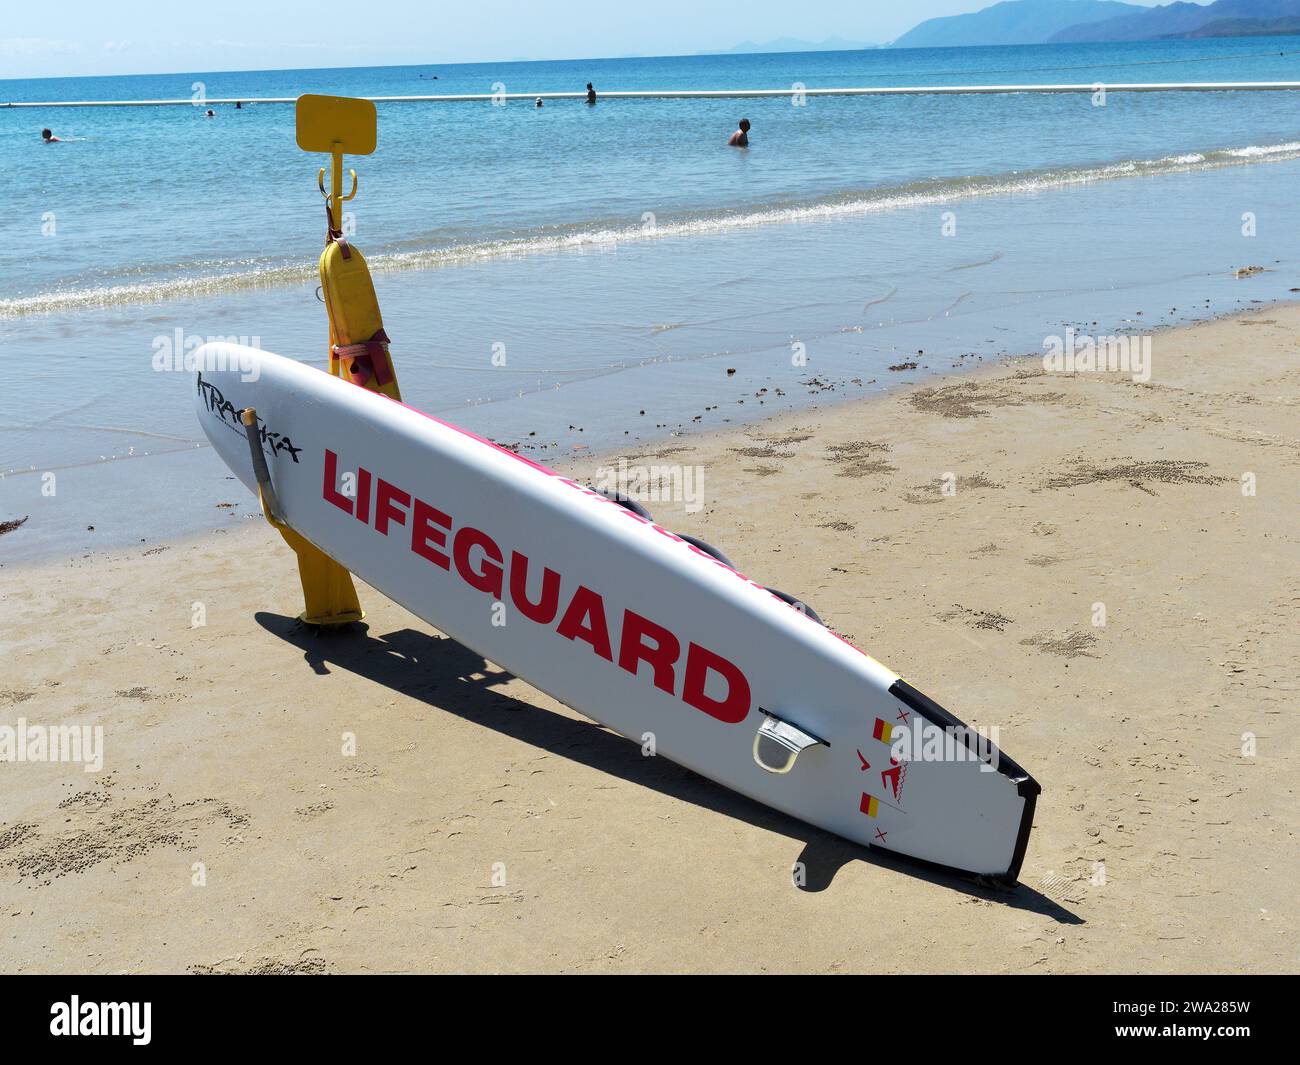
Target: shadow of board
419, 665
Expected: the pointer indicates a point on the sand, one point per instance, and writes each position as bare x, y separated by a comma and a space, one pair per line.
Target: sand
482, 827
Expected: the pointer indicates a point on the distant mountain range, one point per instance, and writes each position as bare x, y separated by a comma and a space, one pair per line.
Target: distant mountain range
1284, 26
1183, 20
1012, 22
1080, 21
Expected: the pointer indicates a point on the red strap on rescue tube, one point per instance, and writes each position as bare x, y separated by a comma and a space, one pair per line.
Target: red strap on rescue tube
370, 358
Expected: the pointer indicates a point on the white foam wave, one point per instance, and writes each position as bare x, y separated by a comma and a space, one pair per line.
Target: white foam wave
579, 237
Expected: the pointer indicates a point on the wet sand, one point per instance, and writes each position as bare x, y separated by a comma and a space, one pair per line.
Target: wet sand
968, 532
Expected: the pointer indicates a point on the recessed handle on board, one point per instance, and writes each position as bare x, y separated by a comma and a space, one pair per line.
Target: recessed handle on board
789, 738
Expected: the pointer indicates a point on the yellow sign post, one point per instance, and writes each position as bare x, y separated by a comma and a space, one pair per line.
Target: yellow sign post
358, 345
337, 125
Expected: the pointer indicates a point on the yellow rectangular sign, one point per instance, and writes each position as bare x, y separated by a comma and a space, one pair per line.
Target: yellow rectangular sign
336, 124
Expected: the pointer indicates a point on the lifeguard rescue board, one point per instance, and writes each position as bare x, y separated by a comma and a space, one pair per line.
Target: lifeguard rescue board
616, 617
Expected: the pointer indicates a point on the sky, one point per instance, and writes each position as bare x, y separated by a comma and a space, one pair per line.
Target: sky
87, 37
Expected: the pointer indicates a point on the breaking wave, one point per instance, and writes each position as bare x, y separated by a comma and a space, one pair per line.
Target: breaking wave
584, 236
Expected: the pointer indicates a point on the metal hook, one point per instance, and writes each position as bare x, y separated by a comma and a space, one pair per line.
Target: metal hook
320, 183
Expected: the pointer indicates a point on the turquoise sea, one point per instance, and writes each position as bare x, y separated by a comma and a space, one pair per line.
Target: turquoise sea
620, 255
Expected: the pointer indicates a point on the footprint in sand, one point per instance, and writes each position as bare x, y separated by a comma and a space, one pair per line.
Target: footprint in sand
1067, 645
860, 458
98, 826
977, 619
1137, 474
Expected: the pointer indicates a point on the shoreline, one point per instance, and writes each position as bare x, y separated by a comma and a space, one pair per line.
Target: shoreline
576, 460
281, 273
487, 828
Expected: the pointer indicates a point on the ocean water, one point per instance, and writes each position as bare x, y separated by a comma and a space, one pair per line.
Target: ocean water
620, 255
156, 201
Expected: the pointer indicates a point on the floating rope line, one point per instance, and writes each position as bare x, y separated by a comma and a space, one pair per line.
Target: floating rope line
719, 94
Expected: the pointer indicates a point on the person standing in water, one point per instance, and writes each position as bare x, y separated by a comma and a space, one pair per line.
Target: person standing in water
740, 139
49, 138
591, 95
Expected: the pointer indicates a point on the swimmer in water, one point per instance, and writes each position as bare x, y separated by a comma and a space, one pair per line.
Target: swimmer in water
211, 113
49, 138
539, 102
740, 139
591, 95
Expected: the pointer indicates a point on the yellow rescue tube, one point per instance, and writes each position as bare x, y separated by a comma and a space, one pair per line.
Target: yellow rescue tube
358, 343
